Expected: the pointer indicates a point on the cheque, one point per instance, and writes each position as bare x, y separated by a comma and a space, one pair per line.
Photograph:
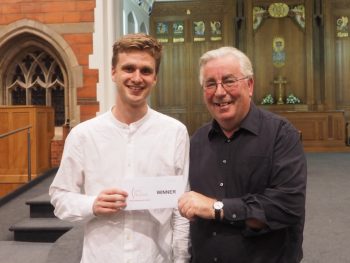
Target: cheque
153, 192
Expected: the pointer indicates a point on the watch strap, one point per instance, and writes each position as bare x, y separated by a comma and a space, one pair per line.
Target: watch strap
217, 215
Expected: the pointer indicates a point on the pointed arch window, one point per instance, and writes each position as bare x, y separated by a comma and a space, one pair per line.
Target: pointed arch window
36, 78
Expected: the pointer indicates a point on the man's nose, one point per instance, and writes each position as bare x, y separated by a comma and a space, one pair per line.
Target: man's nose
137, 77
220, 90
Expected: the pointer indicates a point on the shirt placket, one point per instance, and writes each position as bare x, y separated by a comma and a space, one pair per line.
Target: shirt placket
223, 163
129, 242
129, 154
128, 235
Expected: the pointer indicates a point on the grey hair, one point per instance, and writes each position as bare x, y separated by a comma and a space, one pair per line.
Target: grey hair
244, 62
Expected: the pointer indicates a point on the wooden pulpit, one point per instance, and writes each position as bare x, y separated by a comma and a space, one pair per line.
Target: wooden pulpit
14, 147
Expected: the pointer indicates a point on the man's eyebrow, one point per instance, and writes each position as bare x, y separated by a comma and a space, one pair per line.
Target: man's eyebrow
212, 79
229, 76
127, 65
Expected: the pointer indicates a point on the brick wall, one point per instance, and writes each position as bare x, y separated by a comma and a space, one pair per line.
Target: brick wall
56, 152
47, 11
62, 12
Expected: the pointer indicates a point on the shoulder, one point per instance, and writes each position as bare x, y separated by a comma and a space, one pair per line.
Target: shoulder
274, 119
201, 133
87, 126
166, 122
278, 126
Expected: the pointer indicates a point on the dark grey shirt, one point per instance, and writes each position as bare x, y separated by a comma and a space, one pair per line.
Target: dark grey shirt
258, 173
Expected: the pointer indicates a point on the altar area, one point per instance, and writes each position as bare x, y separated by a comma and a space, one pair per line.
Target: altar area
321, 131
300, 51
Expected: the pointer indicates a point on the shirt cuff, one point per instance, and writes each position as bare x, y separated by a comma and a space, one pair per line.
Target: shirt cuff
234, 209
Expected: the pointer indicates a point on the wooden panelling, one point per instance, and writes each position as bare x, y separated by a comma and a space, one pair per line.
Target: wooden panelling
6, 188
337, 59
294, 70
14, 148
317, 62
321, 131
178, 92
342, 64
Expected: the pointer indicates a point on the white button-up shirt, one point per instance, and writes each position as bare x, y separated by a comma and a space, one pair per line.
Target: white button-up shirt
99, 154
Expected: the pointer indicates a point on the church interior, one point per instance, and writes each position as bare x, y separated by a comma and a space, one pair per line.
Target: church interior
55, 73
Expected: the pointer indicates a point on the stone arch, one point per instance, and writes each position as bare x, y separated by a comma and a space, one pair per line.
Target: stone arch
131, 22
143, 28
24, 33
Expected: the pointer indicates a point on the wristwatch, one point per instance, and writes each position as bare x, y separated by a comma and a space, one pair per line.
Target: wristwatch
218, 206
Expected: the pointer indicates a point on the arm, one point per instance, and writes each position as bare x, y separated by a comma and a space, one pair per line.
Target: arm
282, 203
181, 241
66, 190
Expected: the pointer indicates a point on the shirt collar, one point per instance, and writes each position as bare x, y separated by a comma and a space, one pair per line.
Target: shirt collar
133, 125
250, 123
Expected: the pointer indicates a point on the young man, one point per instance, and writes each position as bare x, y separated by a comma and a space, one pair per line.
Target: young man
129, 141
247, 172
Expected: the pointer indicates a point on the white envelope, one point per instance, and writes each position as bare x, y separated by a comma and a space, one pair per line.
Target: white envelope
153, 192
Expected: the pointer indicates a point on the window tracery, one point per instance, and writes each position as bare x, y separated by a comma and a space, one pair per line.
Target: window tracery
36, 78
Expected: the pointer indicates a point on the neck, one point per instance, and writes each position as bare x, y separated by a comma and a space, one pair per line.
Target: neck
228, 131
129, 114
228, 127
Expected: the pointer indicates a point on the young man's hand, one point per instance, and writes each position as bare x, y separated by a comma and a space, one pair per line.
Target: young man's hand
109, 201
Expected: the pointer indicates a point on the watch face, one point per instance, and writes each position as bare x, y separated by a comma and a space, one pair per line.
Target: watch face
218, 205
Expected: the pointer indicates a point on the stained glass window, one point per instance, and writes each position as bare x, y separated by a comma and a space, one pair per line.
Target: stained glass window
18, 96
57, 99
38, 95
35, 78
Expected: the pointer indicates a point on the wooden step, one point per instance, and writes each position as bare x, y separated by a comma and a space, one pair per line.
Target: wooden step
40, 229
40, 207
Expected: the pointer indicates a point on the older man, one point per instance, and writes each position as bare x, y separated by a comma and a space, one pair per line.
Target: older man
247, 172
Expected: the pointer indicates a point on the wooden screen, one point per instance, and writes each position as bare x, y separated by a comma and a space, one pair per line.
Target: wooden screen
205, 25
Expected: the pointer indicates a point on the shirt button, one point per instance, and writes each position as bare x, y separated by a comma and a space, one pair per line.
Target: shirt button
221, 184
224, 161
228, 140
215, 259
234, 216
214, 234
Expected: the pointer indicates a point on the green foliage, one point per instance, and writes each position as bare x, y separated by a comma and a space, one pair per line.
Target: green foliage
291, 99
268, 99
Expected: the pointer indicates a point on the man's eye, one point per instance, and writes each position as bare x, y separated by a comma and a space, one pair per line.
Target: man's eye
147, 71
229, 82
210, 85
128, 69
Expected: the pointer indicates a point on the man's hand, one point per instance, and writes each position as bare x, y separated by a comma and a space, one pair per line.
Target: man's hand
109, 201
255, 224
192, 204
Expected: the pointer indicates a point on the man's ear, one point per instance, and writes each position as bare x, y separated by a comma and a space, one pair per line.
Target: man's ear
113, 73
251, 86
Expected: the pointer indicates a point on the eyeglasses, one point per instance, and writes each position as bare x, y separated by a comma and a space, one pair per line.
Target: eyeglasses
228, 84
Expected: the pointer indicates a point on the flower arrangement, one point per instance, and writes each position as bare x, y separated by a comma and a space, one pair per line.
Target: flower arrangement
292, 99
268, 99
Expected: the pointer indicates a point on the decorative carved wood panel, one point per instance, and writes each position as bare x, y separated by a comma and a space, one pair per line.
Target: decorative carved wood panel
315, 60
178, 92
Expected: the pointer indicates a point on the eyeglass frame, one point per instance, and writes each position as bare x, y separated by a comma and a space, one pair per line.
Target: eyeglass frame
214, 88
